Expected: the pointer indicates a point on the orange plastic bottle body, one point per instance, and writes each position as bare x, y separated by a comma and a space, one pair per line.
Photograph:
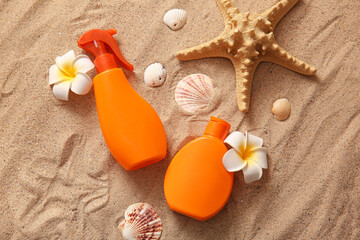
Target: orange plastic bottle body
196, 182
132, 129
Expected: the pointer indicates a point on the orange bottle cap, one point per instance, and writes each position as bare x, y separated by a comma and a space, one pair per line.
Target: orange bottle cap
217, 128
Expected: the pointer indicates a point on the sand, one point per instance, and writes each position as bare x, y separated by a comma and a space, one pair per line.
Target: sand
59, 181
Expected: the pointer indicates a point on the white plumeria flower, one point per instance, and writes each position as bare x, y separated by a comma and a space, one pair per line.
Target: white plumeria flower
247, 154
69, 72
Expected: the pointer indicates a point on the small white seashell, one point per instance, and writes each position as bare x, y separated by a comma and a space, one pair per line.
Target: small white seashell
141, 223
155, 75
194, 92
175, 18
281, 109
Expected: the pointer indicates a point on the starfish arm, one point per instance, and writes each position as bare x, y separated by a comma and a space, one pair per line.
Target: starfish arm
244, 75
278, 11
205, 50
227, 9
280, 56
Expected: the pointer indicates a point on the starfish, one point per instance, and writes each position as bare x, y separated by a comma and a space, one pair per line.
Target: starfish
248, 40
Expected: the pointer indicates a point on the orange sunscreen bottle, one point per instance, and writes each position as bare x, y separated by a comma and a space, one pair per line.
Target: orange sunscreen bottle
196, 182
132, 129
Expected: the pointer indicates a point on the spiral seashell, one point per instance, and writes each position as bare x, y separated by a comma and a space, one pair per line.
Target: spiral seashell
141, 223
154, 75
194, 92
175, 18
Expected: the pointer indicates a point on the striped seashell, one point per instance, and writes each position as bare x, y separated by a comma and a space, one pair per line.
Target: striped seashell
194, 92
141, 223
175, 18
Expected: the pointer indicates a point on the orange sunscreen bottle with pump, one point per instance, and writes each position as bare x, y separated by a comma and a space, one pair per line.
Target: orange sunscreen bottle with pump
132, 129
196, 182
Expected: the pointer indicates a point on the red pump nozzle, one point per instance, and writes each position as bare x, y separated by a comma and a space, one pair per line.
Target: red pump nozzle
99, 42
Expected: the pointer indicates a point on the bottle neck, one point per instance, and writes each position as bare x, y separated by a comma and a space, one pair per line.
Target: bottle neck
105, 62
217, 128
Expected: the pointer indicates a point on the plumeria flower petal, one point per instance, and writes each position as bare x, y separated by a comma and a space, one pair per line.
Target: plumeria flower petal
247, 154
81, 84
253, 141
252, 172
61, 90
69, 72
83, 64
236, 140
56, 75
232, 161
259, 156
64, 62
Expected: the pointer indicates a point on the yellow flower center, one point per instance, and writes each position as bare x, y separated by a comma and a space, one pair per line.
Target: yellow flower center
247, 153
69, 71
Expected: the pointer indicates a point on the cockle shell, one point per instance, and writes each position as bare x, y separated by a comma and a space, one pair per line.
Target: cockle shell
281, 109
194, 92
155, 75
141, 223
175, 18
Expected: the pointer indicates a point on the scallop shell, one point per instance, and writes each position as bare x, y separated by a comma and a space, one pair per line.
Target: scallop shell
194, 92
141, 223
281, 109
175, 18
155, 75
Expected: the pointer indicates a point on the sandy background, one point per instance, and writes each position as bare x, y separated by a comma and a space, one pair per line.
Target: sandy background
59, 181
